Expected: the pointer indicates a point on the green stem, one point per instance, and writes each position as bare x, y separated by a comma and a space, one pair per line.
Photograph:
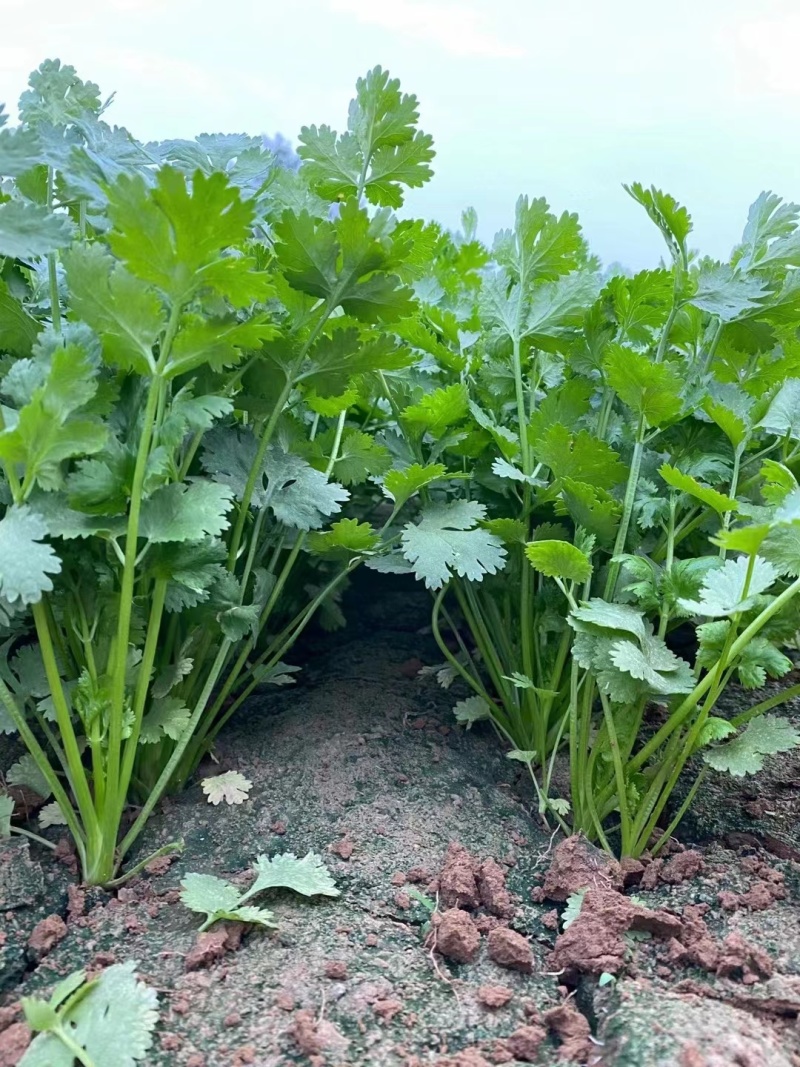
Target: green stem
627, 509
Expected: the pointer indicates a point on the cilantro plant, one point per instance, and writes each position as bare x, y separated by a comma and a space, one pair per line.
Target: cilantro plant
190, 334
105, 1022
217, 899
607, 467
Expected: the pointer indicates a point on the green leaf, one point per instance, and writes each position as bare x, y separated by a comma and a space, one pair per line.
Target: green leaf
30, 230
723, 589
723, 291
360, 456
336, 359
345, 538
26, 772
672, 219
51, 428
382, 148
769, 223
542, 246
126, 313
307, 876
641, 303
167, 717
111, 1021
216, 342
651, 390
748, 539
761, 659
715, 729
58, 97
174, 235
26, 560
654, 664
18, 330
401, 485
471, 710
591, 508
559, 559
685, 483
186, 512
764, 736
603, 615
580, 456
218, 899
299, 495
440, 409
448, 541
732, 424
573, 908
783, 415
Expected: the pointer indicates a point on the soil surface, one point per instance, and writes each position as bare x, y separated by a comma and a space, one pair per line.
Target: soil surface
447, 945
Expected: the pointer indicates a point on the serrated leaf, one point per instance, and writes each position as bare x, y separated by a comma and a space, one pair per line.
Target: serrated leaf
26, 560
167, 717
764, 736
723, 291
307, 876
471, 710
574, 904
651, 390
299, 495
51, 815
559, 559
401, 485
232, 787
185, 511
685, 483
783, 415
29, 230
360, 457
126, 313
448, 541
209, 895
345, 538
26, 772
112, 1023
607, 616
525, 756
672, 219
723, 590
440, 409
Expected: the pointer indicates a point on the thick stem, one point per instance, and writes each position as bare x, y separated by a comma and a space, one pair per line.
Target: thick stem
627, 509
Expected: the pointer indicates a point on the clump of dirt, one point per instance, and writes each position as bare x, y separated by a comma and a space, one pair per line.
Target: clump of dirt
494, 996
455, 936
458, 879
525, 1042
572, 1030
509, 949
212, 945
46, 935
576, 864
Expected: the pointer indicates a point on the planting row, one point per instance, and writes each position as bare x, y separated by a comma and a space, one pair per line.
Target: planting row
229, 377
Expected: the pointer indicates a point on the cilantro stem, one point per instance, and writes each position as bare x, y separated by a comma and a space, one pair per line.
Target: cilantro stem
627, 509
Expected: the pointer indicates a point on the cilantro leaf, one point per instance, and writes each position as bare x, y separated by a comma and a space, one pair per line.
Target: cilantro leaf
764, 736
651, 390
307, 876
401, 485
559, 559
29, 230
126, 313
231, 786
111, 1020
448, 541
471, 710
687, 484
723, 589
217, 899
186, 512
26, 560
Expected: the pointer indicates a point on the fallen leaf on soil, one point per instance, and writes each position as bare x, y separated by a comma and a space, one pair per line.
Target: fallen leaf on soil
509, 949
232, 787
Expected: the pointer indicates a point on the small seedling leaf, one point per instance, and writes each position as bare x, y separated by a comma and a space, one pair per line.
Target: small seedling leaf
308, 875
762, 737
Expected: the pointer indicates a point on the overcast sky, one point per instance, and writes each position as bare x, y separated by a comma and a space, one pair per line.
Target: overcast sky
561, 98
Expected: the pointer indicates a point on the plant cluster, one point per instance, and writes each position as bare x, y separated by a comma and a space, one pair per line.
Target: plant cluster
227, 382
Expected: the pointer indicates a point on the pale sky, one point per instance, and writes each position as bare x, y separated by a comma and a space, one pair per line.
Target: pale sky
565, 99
